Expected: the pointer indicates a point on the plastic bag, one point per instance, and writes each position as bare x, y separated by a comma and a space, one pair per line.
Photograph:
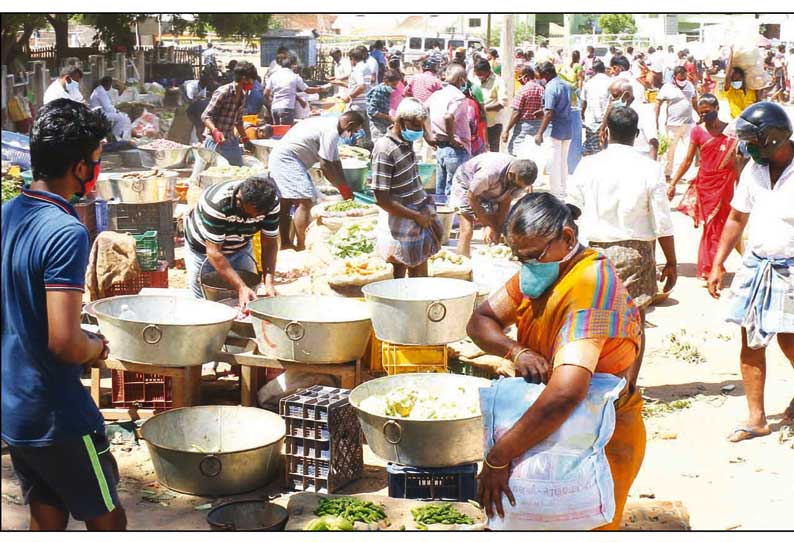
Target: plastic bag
16, 149
130, 94
146, 125
563, 483
154, 88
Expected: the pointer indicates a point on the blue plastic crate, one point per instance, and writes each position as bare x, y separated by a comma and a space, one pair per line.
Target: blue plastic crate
434, 484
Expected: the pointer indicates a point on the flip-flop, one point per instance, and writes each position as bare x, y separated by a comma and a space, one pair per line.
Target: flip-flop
753, 433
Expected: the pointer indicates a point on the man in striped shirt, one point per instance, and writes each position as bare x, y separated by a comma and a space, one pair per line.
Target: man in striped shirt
219, 229
409, 231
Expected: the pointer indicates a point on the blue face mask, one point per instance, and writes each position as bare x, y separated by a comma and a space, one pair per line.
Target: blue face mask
463, 87
350, 139
411, 135
535, 277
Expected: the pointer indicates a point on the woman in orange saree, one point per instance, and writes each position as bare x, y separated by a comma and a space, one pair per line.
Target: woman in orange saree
574, 318
708, 198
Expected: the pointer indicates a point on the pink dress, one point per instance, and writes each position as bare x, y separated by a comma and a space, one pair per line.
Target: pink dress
397, 96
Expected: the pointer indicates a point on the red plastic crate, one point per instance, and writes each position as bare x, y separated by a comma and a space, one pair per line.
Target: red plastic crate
147, 279
141, 390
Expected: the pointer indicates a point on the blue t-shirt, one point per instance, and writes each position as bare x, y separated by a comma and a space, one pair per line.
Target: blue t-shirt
45, 248
255, 99
557, 97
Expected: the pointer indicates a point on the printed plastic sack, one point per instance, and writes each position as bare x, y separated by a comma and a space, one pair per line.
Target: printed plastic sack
563, 483
146, 125
16, 149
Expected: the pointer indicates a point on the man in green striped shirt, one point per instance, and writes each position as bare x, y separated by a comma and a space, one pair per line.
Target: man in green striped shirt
219, 229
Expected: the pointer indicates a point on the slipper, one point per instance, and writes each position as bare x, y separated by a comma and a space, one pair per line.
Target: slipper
752, 433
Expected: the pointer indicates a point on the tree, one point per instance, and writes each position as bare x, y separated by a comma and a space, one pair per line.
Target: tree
589, 24
524, 32
226, 25
114, 29
617, 23
17, 28
60, 25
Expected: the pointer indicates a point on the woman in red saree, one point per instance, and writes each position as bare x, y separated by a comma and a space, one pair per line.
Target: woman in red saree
708, 198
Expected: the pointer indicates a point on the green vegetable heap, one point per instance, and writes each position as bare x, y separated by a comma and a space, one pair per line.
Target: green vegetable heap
439, 513
344, 206
354, 240
11, 187
351, 509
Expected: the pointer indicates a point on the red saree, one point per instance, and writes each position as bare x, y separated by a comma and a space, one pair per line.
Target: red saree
708, 199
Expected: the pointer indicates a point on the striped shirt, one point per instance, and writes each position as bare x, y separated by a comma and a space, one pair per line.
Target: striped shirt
394, 169
218, 219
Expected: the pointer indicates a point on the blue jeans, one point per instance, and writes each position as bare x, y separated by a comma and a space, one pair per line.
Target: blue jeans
449, 160
195, 264
229, 149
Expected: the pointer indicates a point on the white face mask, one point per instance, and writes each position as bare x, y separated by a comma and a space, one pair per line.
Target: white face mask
72, 86
736, 84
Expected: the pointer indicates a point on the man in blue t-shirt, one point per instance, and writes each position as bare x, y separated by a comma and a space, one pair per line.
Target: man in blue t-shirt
557, 112
55, 432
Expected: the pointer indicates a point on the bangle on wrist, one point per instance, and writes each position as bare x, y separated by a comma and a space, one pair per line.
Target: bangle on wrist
490, 466
515, 357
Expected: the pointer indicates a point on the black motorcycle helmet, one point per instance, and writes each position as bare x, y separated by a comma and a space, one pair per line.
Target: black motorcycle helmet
764, 126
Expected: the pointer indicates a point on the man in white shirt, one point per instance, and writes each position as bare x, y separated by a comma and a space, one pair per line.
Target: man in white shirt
622, 93
681, 98
66, 86
761, 299
100, 99
656, 62
208, 55
307, 143
595, 99
359, 83
342, 70
282, 88
625, 210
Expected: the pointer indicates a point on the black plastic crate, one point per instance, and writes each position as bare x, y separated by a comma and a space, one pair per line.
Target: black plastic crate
138, 218
324, 444
435, 484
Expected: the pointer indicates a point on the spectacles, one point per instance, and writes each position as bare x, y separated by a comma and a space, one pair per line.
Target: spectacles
536, 259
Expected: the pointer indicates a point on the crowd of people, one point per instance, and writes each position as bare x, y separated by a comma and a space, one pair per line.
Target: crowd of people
586, 247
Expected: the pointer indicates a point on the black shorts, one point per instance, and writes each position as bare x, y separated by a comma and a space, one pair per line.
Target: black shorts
76, 475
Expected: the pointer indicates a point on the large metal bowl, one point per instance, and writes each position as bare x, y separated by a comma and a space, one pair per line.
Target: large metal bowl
167, 158
421, 443
215, 450
148, 186
263, 148
165, 330
311, 328
420, 311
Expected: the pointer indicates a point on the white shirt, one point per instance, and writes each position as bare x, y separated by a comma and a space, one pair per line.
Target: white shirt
285, 85
639, 90
372, 64
670, 60
622, 195
657, 61
596, 94
361, 75
312, 139
679, 107
101, 98
646, 125
193, 91
771, 223
56, 91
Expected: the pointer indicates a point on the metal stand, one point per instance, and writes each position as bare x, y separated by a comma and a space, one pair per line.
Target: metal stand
349, 373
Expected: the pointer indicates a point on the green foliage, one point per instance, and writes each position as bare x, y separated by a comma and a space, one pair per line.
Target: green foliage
226, 25
524, 32
617, 23
113, 29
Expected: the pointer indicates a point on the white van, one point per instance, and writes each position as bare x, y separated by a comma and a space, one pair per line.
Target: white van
416, 46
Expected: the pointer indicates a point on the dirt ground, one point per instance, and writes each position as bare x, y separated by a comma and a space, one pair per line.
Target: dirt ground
692, 406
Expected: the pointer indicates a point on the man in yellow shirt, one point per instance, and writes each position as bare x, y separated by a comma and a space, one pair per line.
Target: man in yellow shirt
736, 92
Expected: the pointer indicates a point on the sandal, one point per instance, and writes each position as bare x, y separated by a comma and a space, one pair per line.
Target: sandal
751, 433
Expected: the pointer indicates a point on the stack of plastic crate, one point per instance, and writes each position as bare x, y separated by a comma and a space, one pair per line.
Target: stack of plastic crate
324, 444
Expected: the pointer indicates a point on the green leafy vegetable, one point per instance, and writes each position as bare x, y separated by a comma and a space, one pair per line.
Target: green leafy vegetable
351, 509
445, 514
344, 206
329, 523
354, 240
11, 187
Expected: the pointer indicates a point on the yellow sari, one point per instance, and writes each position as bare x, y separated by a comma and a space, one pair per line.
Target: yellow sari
588, 304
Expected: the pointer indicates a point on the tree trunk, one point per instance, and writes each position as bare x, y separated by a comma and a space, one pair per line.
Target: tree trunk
60, 24
12, 45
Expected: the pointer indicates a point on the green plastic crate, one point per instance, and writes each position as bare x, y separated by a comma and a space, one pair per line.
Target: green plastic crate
147, 249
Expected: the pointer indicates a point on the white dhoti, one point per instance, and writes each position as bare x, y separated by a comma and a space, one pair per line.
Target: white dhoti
121, 125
